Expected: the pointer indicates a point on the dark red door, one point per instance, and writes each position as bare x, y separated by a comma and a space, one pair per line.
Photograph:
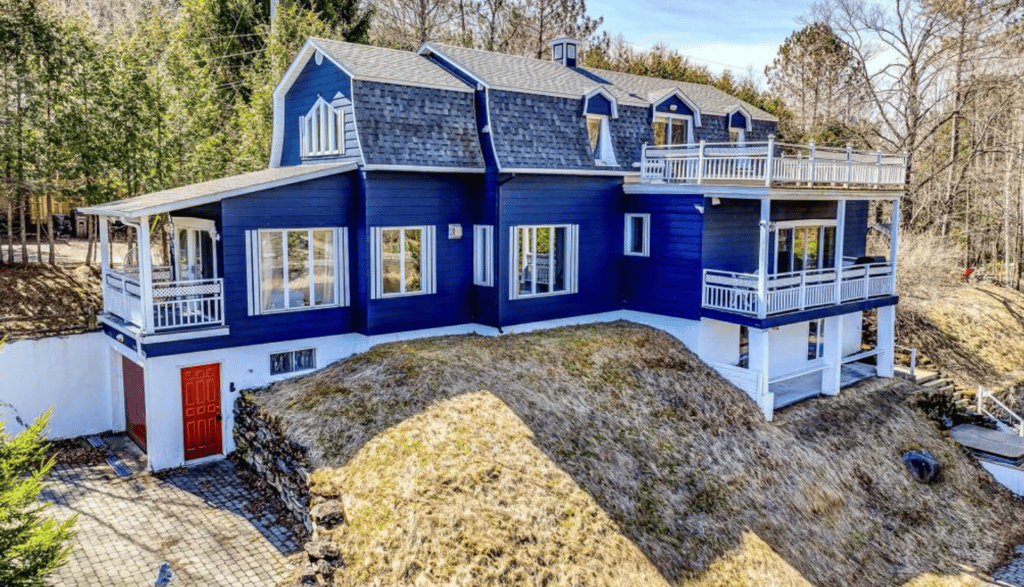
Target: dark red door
134, 401
200, 401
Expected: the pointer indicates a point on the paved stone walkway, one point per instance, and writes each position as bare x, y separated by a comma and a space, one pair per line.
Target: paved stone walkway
211, 525
1013, 572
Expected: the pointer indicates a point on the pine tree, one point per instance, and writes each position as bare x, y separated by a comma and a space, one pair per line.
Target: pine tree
31, 545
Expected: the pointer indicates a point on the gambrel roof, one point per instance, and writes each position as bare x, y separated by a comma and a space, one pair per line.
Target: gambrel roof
537, 76
379, 64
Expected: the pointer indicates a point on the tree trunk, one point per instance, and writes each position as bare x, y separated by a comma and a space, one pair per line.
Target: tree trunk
49, 227
90, 231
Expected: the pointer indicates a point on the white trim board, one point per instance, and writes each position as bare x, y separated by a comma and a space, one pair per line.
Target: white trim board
422, 168
760, 193
595, 172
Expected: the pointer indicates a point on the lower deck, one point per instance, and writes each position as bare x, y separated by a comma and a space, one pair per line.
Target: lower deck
808, 386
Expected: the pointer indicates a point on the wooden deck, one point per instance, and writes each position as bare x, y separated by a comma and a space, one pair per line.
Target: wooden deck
1002, 445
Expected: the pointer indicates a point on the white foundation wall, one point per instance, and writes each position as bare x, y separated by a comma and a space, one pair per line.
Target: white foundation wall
852, 325
1010, 477
68, 373
240, 368
788, 348
719, 342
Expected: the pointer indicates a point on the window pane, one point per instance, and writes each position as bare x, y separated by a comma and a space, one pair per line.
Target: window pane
542, 260
323, 267
304, 360
559, 257
298, 269
829, 247
783, 250
594, 133
524, 258
280, 363
679, 132
271, 271
413, 258
391, 255
204, 255
636, 236
815, 339
660, 131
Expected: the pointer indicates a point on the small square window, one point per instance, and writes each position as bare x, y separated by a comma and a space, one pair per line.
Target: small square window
292, 361
637, 241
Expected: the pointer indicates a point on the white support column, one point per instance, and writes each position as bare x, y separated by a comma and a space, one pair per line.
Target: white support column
145, 276
831, 377
894, 238
104, 247
759, 349
762, 259
886, 340
840, 237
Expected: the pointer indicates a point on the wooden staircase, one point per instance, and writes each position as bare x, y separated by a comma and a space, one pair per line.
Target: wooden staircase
926, 374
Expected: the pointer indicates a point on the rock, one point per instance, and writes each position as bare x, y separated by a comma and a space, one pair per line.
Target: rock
319, 548
923, 467
328, 514
324, 569
307, 576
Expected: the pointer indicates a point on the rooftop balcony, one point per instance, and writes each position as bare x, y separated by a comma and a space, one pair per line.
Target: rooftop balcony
771, 163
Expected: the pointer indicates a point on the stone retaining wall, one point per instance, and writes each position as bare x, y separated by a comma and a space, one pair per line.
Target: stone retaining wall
260, 441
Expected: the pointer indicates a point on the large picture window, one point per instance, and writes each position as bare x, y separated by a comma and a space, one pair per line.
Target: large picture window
544, 260
297, 269
403, 261
804, 246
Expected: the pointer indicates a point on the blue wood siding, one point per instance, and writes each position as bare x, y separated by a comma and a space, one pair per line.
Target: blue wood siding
855, 237
801, 210
595, 204
324, 202
408, 199
598, 104
731, 236
485, 211
314, 81
681, 107
669, 281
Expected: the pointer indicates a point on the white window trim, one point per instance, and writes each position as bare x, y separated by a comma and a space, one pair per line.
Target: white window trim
483, 255
322, 130
690, 140
604, 141
820, 224
572, 238
746, 116
428, 262
627, 240
254, 277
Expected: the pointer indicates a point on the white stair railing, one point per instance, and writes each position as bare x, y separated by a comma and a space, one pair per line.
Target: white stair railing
1016, 418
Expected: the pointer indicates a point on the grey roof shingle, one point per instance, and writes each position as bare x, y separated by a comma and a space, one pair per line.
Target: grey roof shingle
403, 125
216, 190
389, 65
536, 76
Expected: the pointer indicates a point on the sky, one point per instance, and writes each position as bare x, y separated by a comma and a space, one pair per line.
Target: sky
721, 34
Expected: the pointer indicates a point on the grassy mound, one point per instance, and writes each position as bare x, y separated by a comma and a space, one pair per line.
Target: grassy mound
610, 455
40, 299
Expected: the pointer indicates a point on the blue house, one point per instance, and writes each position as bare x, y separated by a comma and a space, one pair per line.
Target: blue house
452, 190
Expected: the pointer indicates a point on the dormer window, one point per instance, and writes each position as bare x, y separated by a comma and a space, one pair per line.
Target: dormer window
600, 137
739, 124
322, 131
670, 129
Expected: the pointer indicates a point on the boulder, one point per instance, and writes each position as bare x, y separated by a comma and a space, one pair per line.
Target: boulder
328, 514
923, 467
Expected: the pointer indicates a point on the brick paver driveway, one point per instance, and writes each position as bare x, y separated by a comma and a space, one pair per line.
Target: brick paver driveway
210, 525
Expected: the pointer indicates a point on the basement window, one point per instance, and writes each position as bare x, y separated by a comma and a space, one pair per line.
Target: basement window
292, 361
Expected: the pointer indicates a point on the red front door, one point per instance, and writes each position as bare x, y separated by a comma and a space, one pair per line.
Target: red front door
134, 401
200, 401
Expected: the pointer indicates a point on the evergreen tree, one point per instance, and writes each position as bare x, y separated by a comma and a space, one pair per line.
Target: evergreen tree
31, 545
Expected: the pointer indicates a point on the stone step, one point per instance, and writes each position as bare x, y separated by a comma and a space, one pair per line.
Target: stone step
925, 376
939, 383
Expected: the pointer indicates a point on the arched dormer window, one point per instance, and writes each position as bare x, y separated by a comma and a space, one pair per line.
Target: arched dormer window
674, 118
322, 130
739, 125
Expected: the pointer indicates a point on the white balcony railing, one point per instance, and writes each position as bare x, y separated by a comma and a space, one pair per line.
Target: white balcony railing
800, 290
176, 304
771, 163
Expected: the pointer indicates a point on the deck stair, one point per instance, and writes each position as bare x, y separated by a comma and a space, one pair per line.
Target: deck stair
926, 374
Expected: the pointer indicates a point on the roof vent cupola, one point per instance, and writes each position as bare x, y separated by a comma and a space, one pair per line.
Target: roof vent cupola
565, 50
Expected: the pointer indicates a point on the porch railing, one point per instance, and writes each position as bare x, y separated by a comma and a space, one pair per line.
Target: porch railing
799, 290
771, 163
176, 304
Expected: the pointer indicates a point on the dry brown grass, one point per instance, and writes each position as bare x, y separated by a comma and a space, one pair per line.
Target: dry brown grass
41, 299
975, 333
925, 265
609, 455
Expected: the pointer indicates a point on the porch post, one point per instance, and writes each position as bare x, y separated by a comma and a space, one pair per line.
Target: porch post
104, 247
145, 276
840, 237
760, 362
831, 377
762, 260
886, 340
894, 237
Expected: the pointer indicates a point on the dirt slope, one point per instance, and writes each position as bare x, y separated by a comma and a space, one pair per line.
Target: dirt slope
609, 455
40, 300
